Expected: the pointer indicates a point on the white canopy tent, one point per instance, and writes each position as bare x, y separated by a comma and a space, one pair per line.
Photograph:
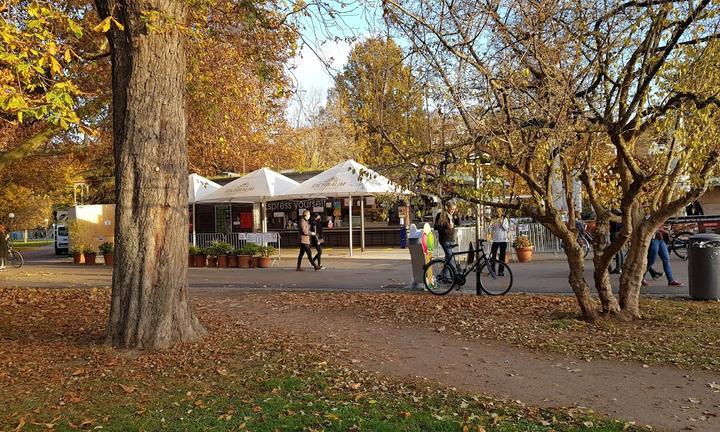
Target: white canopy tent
199, 187
347, 180
258, 186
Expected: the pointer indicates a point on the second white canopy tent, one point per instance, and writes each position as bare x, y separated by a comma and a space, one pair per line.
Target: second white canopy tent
346, 180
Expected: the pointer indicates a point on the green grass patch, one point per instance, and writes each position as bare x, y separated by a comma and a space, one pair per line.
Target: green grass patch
317, 399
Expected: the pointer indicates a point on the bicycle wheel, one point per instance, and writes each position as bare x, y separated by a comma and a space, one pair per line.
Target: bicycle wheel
585, 244
680, 243
15, 258
495, 278
439, 278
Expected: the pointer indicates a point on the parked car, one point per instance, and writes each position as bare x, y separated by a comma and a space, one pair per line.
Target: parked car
62, 239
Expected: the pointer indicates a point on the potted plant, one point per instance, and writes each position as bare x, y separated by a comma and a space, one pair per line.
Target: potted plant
244, 256
253, 250
266, 253
199, 257
212, 254
77, 253
523, 248
107, 249
233, 258
193, 251
90, 255
222, 250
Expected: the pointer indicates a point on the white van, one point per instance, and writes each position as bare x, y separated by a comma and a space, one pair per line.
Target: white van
62, 239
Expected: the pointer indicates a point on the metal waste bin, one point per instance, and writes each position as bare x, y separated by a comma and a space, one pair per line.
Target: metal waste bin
417, 261
704, 266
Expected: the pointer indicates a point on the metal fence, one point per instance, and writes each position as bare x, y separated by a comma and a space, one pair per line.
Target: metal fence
541, 237
237, 240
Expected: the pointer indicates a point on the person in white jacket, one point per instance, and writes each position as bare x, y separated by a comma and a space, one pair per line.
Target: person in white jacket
500, 229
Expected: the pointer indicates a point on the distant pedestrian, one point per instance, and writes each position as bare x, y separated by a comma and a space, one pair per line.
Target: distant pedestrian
4, 246
317, 240
305, 234
615, 228
658, 247
694, 209
500, 229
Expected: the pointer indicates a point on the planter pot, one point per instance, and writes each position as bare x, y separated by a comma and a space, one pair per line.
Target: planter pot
212, 262
109, 259
78, 258
199, 260
253, 262
90, 258
244, 261
191, 261
232, 261
524, 254
222, 261
264, 262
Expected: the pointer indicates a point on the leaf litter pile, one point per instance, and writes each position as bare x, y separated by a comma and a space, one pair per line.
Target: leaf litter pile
56, 374
673, 332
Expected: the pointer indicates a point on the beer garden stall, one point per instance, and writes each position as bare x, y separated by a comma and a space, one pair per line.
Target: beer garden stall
346, 180
257, 187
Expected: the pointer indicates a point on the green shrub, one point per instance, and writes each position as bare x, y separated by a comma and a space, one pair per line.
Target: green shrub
522, 241
251, 249
107, 248
267, 251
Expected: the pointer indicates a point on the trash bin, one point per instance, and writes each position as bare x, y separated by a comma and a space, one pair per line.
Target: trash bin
417, 258
704, 266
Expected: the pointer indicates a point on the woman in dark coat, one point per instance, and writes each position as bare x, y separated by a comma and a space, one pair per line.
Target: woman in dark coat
4, 246
316, 226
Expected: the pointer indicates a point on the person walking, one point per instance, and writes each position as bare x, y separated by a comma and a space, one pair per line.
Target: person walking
499, 238
317, 239
694, 208
658, 247
4, 246
445, 222
305, 234
615, 228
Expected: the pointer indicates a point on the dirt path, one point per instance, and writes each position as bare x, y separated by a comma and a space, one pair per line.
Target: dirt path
665, 397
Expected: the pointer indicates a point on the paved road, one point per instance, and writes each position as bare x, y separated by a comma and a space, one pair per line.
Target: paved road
344, 274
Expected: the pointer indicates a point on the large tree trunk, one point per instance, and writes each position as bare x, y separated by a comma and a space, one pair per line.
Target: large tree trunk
150, 306
634, 270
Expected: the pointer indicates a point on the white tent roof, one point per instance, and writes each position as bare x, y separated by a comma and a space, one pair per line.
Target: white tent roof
199, 187
345, 179
257, 186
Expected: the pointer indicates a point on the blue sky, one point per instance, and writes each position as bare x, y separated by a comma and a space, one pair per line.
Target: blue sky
328, 44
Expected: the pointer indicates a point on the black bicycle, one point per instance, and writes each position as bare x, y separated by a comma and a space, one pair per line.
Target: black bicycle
495, 276
678, 243
15, 258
